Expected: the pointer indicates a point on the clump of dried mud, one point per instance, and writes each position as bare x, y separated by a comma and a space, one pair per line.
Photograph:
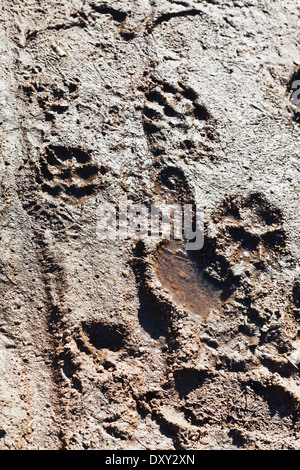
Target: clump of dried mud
129, 343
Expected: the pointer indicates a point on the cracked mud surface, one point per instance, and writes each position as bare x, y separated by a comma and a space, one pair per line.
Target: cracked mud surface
131, 344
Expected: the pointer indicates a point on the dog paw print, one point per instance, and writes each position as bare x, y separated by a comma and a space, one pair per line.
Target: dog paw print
54, 185
67, 172
248, 237
171, 115
52, 98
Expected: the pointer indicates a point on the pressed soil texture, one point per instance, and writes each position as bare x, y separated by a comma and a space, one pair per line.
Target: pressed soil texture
136, 342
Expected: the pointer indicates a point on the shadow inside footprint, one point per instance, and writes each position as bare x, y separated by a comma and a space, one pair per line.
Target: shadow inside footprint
105, 335
187, 380
151, 315
151, 318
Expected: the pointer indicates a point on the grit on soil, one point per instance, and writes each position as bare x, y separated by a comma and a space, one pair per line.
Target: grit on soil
133, 343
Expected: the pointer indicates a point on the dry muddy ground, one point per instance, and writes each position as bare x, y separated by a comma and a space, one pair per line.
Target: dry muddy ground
130, 343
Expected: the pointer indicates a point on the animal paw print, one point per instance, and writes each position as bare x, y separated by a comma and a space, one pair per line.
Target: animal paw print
67, 172
250, 236
171, 115
52, 98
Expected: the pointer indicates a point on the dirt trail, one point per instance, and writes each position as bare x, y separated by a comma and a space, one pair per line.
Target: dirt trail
176, 101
